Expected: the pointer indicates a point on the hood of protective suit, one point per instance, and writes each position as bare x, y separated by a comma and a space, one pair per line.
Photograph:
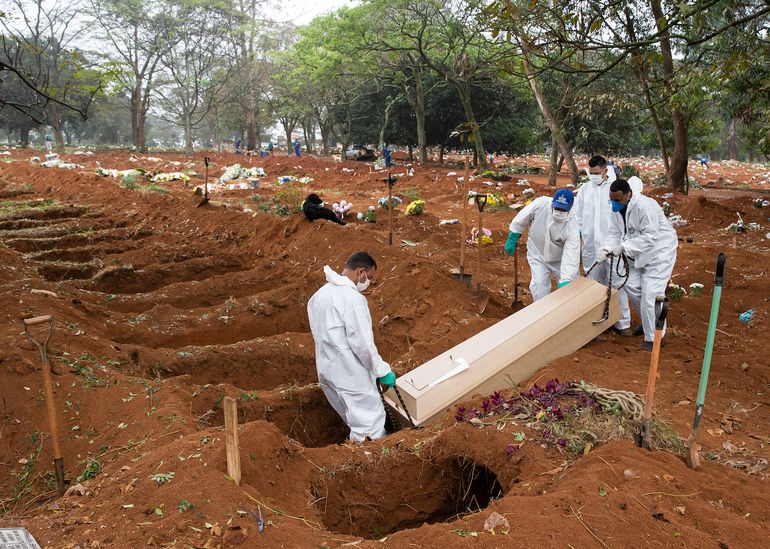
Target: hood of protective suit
337, 279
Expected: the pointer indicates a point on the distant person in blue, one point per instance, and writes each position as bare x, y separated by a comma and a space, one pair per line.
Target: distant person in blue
704, 162
297, 150
237, 146
615, 168
386, 156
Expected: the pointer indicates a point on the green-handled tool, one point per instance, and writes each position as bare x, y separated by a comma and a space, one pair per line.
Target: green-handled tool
693, 459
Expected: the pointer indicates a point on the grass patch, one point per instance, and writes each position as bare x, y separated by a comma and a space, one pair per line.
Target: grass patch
24, 477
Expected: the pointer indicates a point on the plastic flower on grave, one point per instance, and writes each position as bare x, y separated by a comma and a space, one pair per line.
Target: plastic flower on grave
415, 208
394, 201
486, 237
696, 289
674, 291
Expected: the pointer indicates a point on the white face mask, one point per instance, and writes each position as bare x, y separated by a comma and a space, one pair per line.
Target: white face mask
362, 286
560, 216
596, 179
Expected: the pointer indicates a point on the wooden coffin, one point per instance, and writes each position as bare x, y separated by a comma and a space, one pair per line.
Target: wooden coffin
507, 353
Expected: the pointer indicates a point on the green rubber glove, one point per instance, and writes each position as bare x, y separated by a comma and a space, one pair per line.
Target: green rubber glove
562, 283
510, 244
388, 380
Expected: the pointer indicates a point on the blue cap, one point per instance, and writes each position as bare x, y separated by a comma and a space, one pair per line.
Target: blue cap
563, 200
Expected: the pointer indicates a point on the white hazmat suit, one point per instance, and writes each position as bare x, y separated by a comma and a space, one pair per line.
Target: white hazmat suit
552, 247
650, 242
346, 357
592, 212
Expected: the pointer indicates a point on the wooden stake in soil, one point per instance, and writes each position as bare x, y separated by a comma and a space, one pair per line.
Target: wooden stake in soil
231, 439
464, 226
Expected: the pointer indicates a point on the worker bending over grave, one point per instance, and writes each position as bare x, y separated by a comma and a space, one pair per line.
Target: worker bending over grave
553, 245
592, 214
640, 230
346, 357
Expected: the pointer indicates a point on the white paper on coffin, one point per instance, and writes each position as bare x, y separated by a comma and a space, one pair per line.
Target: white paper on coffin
460, 365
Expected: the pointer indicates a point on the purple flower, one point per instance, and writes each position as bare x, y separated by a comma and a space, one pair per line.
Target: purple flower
562, 442
460, 414
486, 406
512, 449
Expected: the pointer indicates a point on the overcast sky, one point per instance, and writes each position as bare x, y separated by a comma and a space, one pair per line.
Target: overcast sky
301, 12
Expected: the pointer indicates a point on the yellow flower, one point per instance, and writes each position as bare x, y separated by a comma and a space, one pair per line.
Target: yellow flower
415, 208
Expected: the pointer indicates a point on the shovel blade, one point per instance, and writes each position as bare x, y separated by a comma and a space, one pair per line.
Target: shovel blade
692, 455
481, 302
461, 276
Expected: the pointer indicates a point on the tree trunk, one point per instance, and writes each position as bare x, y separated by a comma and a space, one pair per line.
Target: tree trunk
410, 148
140, 142
678, 173
251, 133
641, 71
136, 108
470, 117
554, 168
441, 154
308, 130
58, 135
732, 142
384, 126
188, 134
24, 136
550, 120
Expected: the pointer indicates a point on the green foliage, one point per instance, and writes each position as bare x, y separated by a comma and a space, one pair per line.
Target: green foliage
163, 478
90, 470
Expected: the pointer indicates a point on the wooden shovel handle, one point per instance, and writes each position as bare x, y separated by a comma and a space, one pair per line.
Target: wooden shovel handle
37, 320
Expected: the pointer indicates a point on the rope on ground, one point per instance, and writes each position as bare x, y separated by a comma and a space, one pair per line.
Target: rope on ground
610, 399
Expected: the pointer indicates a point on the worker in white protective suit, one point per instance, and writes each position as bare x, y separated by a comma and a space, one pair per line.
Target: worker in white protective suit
592, 214
346, 357
553, 244
640, 230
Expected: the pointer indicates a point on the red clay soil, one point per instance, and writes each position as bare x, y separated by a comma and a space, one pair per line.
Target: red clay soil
162, 308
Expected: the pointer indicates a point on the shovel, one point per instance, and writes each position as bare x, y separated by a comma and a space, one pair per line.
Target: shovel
390, 181
693, 459
42, 346
460, 274
481, 300
517, 303
205, 184
661, 310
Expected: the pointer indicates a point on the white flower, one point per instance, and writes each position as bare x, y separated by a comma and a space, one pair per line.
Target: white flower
360, 216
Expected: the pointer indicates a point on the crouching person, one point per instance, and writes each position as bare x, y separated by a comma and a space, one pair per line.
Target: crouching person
640, 230
553, 244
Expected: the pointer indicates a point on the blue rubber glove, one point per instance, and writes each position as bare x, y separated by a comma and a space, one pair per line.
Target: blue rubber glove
562, 283
510, 244
388, 380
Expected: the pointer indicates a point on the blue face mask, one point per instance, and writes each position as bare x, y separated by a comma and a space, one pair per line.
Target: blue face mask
617, 206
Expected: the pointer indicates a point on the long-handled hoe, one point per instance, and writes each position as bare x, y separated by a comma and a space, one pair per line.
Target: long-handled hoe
693, 459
